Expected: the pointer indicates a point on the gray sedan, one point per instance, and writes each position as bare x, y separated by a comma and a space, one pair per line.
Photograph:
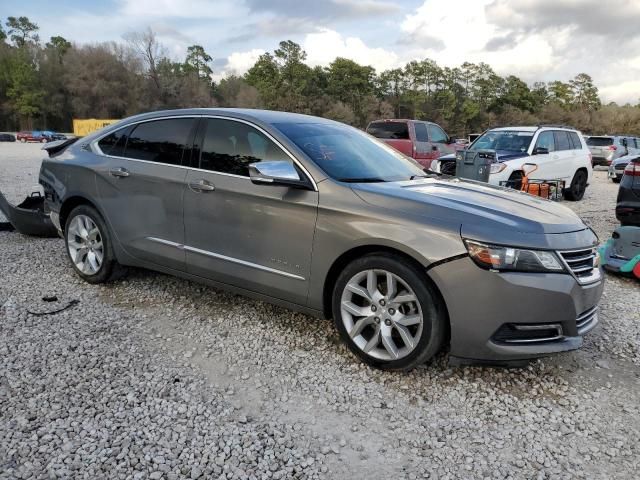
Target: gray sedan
317, 216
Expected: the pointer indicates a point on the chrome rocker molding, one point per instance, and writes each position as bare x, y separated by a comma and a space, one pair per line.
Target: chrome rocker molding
224, 257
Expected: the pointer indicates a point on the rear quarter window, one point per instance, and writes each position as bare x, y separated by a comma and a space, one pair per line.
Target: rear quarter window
389, 130
114, 143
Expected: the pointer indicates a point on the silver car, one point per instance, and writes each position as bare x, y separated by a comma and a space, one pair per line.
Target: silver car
322, 218
605, 149
616, 169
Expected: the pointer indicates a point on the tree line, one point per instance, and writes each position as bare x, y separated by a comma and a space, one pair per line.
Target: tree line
46, 84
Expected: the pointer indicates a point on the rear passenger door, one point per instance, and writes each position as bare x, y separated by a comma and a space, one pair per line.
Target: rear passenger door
424, 150
564, 166
256, 237
141, 186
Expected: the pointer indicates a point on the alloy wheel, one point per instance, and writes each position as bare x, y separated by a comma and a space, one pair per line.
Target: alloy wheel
381, 314
85, 245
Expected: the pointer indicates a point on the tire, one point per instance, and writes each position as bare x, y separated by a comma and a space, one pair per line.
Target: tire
363, 309
44, 140
86, 236
576, 190
616, 179
23, 140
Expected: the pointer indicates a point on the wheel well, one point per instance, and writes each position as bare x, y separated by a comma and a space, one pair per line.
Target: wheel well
343, 260
68, 205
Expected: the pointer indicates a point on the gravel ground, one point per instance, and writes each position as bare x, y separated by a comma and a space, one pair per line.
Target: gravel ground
156, 377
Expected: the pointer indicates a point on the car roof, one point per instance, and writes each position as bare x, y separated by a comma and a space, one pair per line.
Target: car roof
531, 129
262, 116
400, 120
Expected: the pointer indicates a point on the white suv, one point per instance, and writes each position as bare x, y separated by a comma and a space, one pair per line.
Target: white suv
559, 152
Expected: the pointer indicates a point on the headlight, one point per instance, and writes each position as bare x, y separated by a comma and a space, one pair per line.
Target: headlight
495, 257
497, 167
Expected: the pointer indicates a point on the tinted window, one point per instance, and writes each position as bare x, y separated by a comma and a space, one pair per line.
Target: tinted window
389, 130
562, 140
421, 132
599, 141
229, 147
546, 140
575, 140
436, 134
349, 155
113, 144
162, 141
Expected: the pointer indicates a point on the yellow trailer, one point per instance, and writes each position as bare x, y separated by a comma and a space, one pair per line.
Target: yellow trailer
82, 127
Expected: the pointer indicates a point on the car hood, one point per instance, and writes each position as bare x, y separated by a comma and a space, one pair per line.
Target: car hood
473, 203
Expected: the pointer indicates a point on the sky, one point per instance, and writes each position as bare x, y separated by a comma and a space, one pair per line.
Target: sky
537, 40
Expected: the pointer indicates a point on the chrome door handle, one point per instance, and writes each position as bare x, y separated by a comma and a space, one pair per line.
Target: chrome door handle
119, 172
201, 186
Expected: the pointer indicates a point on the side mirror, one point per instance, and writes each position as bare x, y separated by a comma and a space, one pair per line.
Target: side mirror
540, 151
278, 172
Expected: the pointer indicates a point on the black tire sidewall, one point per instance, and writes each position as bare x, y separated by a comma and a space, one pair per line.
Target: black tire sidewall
433, 328
571, 194
109, 261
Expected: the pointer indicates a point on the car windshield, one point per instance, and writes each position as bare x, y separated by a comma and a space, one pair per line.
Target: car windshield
599, 141
349, 155
507, 140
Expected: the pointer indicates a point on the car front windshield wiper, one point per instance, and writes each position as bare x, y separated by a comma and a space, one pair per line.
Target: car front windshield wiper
362, 180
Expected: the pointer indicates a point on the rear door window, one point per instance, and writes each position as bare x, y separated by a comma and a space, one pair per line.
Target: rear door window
436, 134
599, 141
389, 130
230, 147
575, 140
421, 132
562, 140
161, 141
546, 140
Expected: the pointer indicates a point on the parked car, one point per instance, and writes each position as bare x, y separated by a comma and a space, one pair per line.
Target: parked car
606, 149
7, 137
54, 135
32, 136
422, 141
616, 169
318, 216
628, 204
560, 153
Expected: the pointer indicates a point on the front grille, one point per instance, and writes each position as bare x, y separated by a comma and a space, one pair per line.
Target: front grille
582, 264
524, 333
587, 320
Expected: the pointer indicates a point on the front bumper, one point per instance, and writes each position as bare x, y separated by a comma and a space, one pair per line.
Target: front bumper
483, 305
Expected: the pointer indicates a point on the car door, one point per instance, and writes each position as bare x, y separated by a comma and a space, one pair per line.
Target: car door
141, 184
439, 141
548, 164
564, 167
257, 237
424, 153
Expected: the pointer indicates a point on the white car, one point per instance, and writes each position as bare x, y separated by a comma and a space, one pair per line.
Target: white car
559, 152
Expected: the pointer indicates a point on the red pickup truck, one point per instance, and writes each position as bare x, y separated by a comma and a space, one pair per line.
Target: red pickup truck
420, 140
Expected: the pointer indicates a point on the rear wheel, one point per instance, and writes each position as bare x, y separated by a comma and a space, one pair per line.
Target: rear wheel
89, 246
387, 314
44, 140
23, 140
578, 186
616, 179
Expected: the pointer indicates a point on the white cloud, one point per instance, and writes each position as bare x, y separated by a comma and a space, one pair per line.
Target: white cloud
463, 31
182, 8
324, 46
238, 63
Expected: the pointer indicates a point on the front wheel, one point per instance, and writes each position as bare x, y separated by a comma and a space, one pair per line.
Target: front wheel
44, 140
387, 314
89, 246
576, 190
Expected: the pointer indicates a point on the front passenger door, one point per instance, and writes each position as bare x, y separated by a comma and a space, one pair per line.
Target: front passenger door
257, 237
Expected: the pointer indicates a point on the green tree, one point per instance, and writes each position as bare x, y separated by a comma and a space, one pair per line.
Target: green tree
22, 31
3, 35
561, 93
197, 61
350, 84
264, 75
585, 93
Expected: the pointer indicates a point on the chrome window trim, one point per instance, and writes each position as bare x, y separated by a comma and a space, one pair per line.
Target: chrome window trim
96, 148
226, 258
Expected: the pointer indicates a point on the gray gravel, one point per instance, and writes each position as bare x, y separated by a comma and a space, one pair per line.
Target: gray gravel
156, 377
